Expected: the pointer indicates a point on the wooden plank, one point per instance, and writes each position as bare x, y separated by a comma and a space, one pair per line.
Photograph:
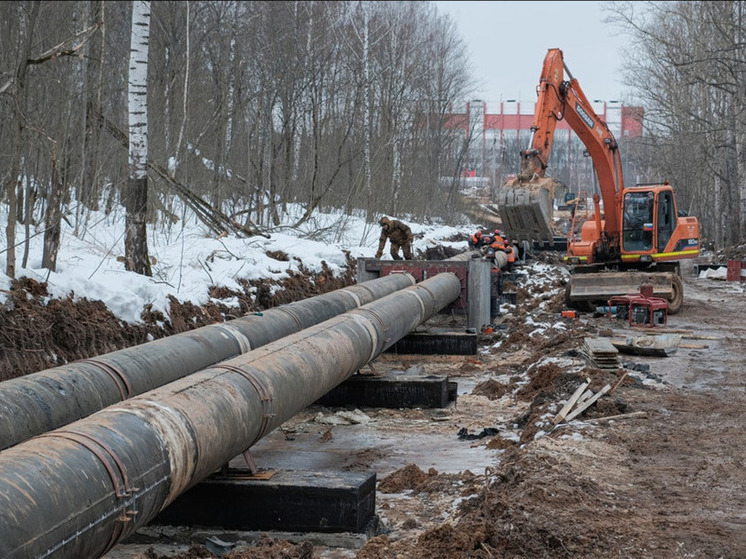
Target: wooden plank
696, 337
617, 383
631, 415
667, 330
694, 346
571, 402
588, 403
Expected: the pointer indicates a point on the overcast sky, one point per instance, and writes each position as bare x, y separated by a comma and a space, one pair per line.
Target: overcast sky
508, 41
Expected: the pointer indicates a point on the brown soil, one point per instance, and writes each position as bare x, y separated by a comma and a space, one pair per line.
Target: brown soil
37, 333
669, 483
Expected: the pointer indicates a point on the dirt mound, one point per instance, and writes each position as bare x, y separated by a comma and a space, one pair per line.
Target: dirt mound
38, 332
409, 477
492, 389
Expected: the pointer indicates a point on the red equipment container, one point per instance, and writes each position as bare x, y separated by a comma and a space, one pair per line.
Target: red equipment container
735, 268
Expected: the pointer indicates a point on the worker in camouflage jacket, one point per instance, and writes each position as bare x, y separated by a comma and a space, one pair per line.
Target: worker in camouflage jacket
400, 236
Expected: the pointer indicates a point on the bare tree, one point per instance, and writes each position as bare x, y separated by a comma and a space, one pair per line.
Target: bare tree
688, 64
136, 199
261, 105
17, 86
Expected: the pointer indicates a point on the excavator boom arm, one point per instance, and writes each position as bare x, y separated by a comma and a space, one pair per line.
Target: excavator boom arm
603, 149
549, 108
560, 99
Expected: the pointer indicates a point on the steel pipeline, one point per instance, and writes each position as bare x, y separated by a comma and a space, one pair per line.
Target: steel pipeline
39, 402
77, 491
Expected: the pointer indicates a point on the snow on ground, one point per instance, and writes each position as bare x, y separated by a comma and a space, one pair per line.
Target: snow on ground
188, 260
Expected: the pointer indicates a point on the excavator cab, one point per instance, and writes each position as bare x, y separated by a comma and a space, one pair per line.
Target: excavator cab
652, 230
637, 221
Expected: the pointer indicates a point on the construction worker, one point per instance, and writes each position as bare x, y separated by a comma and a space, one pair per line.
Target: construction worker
400, 236
495, 243
501, 244
476, 240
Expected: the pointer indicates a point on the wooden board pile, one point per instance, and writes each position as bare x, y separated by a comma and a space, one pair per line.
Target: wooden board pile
600, 353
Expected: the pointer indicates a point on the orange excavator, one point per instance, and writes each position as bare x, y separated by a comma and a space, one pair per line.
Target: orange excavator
635, 236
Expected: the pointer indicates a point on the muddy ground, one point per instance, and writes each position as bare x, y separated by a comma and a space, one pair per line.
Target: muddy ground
665, 479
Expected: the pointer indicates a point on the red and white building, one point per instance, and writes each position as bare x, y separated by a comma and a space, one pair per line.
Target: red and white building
499, 132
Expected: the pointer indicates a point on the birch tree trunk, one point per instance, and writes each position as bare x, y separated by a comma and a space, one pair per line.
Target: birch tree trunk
136, 197
367, 101
740, 128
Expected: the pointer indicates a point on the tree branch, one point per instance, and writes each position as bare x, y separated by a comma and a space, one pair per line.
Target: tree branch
69, 47
211, 216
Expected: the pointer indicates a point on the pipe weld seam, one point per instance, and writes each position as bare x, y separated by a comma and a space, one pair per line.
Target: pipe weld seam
243, 341
90, 443
265, 395
294, 316
354, 296
123, 384
369, 325
420, 301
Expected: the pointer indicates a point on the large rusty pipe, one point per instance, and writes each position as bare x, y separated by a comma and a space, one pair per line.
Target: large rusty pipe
39, 402
77, 491
500, 257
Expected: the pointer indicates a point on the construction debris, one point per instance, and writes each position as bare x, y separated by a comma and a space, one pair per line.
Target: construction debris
632, 415
581, 400
588, 403
659, 345
571, 402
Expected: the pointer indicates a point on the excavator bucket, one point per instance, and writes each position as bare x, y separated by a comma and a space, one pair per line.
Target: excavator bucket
526, 209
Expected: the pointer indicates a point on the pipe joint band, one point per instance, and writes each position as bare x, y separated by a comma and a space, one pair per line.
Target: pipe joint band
123, 384
243, 341
375, 326
417, 295
265, 395
355, 297
105, 455
294, 316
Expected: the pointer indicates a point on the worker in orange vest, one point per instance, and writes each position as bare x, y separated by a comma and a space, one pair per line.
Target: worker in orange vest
496, 242
476, 240
501, 244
